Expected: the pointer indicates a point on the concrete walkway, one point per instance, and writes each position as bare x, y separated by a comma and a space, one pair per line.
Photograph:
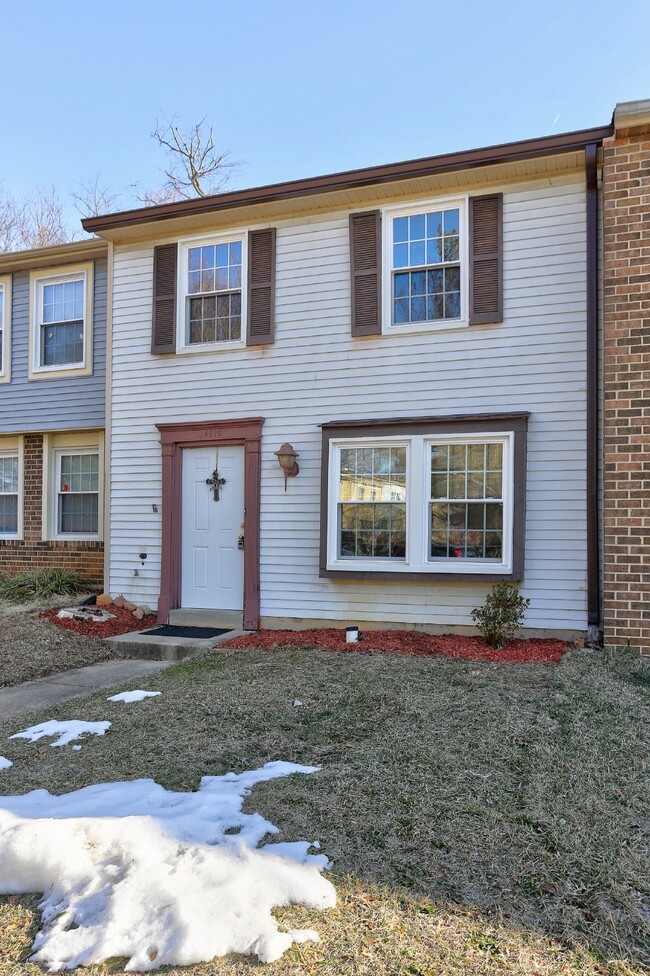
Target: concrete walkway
33, 695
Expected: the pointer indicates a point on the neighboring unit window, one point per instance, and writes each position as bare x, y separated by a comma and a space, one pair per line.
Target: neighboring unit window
61, 320
466, 501
426, 266
372, 502
8, 496
214, 299
77, 506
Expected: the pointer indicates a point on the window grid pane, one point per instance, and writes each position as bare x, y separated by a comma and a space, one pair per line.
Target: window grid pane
372, 503
466, 508
214, 272
62, 344
78, 494
431, 243
8, 475
8, 514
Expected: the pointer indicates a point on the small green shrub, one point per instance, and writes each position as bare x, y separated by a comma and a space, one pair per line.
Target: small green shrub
41, 583
502, 614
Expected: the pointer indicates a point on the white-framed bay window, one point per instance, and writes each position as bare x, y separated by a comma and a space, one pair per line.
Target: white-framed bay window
426, 265
5, 329
425, 498
212, 296
61, 322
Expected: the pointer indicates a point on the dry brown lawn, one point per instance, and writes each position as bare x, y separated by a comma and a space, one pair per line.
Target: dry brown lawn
30, 647
482, 818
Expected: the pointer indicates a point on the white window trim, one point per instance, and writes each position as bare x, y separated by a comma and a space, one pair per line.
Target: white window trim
423, 206
37, 280
72, 536
16, 452
417, 558
183, 347
5, 290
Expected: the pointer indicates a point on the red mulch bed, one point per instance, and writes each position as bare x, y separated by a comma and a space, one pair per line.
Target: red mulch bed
123, 623
408, 642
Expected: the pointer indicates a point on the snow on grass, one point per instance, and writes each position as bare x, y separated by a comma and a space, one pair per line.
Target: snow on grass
67, 731
133, 696
131, 869
5, 763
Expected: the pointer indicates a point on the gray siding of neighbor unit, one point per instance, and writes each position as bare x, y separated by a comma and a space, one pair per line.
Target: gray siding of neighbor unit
71, 403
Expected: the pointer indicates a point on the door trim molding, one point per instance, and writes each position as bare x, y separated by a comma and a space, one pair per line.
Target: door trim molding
173, 438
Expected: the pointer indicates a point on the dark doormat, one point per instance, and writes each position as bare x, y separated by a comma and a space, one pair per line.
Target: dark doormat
169, 630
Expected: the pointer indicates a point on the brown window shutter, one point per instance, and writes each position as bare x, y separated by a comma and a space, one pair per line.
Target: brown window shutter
365, 272
486, 259
163, 332
261, 286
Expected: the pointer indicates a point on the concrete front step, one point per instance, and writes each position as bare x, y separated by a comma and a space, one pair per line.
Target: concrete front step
233, 619
151, 647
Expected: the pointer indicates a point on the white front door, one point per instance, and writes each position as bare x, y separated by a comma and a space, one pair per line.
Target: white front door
212, 571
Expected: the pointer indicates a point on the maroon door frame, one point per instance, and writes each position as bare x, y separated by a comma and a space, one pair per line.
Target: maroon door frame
173, 438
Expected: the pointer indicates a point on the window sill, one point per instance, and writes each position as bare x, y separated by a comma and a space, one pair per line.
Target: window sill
493, 575
59, 372
412, 328
211, 347
74, 538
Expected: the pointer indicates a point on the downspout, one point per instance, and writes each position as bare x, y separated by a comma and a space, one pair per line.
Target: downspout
593, 534
107, 421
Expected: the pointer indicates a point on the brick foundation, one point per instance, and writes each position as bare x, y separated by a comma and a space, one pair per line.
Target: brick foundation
626, 290
31, 552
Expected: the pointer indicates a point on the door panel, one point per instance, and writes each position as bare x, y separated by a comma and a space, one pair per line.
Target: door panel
212, 573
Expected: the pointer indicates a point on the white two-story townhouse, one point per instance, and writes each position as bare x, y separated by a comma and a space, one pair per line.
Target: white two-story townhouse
361, 398
53, 303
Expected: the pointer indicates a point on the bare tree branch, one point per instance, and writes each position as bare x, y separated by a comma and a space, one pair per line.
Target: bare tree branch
196, 168
94, 198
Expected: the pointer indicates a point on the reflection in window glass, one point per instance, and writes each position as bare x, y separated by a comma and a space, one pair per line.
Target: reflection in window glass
372, 503
466, 506
215, 274
426, 267
8, 495
62, 323
78, 494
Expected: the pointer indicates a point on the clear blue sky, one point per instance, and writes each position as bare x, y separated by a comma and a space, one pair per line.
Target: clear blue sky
297, 88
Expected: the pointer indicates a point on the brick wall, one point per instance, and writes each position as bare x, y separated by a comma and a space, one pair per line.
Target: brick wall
31, 552
626, 289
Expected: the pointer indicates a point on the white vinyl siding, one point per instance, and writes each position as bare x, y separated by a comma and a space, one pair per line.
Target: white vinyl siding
315, 372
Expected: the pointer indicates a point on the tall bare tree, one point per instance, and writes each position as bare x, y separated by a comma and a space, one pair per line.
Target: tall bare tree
196, 167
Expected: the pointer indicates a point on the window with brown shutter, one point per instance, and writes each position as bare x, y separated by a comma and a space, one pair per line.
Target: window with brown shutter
365, 272
261, 286
163, 331
486, 256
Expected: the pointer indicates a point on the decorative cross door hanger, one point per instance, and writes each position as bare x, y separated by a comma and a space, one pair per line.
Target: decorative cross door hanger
215, 483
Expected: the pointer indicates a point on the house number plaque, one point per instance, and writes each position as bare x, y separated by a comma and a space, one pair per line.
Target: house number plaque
215, 483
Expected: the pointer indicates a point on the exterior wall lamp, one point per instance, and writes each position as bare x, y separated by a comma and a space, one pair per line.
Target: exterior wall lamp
287, 460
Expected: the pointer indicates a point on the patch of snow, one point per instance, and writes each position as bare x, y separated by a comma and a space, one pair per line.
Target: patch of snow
67, 731
5, 763
131, 869
297, 703
133, 696
76, 748
86, 614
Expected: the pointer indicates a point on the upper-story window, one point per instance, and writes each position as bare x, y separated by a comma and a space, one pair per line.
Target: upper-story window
62, 323
213, 273
5, 321
426, 266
